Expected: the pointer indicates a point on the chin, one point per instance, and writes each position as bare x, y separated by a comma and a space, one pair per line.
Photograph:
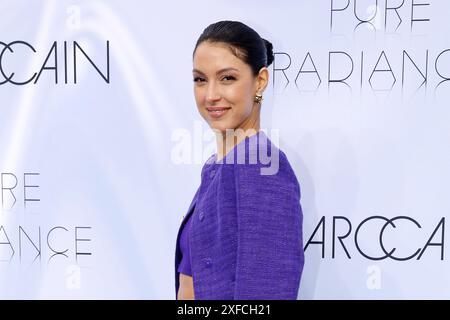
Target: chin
218, 126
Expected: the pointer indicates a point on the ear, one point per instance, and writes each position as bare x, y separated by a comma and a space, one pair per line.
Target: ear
262, 79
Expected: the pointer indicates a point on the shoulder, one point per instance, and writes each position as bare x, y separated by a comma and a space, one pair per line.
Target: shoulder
266, 165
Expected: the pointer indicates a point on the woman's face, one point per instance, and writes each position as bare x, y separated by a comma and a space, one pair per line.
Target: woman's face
224, 88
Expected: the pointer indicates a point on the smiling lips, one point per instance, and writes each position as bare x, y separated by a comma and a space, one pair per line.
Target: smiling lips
217, 112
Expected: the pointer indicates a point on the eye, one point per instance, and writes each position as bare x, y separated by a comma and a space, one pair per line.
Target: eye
229, 78
198, 79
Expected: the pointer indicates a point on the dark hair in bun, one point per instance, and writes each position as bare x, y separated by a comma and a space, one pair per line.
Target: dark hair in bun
269, 48
245, 43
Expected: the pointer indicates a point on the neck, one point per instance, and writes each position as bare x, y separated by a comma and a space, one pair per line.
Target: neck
227, 140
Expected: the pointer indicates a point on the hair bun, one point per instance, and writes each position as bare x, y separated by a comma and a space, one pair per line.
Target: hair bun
269, 49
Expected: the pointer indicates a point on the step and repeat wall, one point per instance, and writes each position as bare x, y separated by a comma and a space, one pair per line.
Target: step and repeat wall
101, 144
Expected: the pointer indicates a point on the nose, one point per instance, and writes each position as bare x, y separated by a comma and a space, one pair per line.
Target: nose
212, 93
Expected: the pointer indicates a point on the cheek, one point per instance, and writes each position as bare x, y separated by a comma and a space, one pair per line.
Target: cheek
238, 95
198, 94
241, 98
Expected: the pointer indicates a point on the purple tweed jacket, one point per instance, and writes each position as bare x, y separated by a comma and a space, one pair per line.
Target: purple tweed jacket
246, 232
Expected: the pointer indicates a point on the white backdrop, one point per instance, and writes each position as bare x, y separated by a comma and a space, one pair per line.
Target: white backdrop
367, 136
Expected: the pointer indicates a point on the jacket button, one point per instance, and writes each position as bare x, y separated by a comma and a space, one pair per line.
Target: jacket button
212, 174
207, 262
201, 216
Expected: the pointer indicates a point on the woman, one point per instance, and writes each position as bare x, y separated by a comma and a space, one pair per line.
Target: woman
242, 235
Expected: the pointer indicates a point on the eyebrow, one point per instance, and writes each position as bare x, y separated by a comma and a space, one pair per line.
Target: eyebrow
220, 71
